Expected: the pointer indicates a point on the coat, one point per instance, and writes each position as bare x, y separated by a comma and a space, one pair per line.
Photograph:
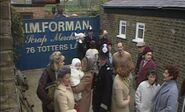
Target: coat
143, 69
102, 89
120, 92
47, 78
64, 99
81, 50
166, 98
85, 88
144, 95
124, 60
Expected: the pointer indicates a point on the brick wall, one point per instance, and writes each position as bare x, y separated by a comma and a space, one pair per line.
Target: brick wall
38, 12
8, 96
165, 31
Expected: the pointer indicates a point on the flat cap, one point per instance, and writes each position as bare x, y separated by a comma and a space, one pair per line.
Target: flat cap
140, 44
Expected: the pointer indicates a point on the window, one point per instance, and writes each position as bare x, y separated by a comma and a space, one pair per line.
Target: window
122, 29
27, 15
140, 29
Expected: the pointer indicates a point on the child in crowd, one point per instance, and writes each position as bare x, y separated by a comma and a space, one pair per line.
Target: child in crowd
76, 76
146, 91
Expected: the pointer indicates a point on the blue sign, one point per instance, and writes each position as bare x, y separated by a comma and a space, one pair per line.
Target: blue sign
44, 36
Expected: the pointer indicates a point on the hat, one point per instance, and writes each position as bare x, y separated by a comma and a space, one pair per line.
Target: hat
147, 49
63, 71
140, 44
75, 61
104, 51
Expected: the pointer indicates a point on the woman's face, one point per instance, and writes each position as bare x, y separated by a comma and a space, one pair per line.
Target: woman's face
60, 63
148, 56
167, 76
151, 79
66, 79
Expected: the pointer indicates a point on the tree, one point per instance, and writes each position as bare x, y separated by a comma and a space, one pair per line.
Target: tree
17, 32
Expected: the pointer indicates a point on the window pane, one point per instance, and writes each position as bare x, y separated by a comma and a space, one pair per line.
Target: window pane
141, 26
140, 33
123, 30
123, 23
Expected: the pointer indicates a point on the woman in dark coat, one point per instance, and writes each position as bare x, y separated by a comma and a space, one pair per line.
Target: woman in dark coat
47, 79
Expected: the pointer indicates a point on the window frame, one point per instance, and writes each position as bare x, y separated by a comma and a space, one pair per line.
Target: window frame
138, 39
122, 23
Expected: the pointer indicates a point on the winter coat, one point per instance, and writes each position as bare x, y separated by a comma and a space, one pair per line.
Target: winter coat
166, 98
144, 95
47, 78
81, 50
125, 61
85, 88
120, 92
102, 89
64, 99
143, 69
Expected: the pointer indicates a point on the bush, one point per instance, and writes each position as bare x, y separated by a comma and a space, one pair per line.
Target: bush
17, 33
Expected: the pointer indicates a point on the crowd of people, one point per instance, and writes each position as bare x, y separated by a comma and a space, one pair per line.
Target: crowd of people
100, 77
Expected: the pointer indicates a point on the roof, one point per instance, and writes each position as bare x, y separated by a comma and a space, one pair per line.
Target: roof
176, 4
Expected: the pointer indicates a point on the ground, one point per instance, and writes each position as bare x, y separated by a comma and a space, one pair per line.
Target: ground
33, 77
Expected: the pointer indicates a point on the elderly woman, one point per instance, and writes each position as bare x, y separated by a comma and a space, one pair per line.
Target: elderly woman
165, 99
47, 78
63, 97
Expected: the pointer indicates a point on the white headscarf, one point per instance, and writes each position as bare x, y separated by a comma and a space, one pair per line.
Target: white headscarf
76, 74
74, 62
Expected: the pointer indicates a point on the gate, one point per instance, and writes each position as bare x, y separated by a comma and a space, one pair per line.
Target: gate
44, 36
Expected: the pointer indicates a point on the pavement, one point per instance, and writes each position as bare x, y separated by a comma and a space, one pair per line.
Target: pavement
33, 77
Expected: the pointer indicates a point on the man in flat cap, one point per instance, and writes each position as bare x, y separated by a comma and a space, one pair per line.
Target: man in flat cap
140, 48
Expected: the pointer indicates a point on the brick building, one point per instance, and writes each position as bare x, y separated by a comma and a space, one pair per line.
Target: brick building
160, 23
30, 10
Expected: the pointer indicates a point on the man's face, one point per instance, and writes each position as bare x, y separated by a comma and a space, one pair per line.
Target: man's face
120, 48
140, 49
